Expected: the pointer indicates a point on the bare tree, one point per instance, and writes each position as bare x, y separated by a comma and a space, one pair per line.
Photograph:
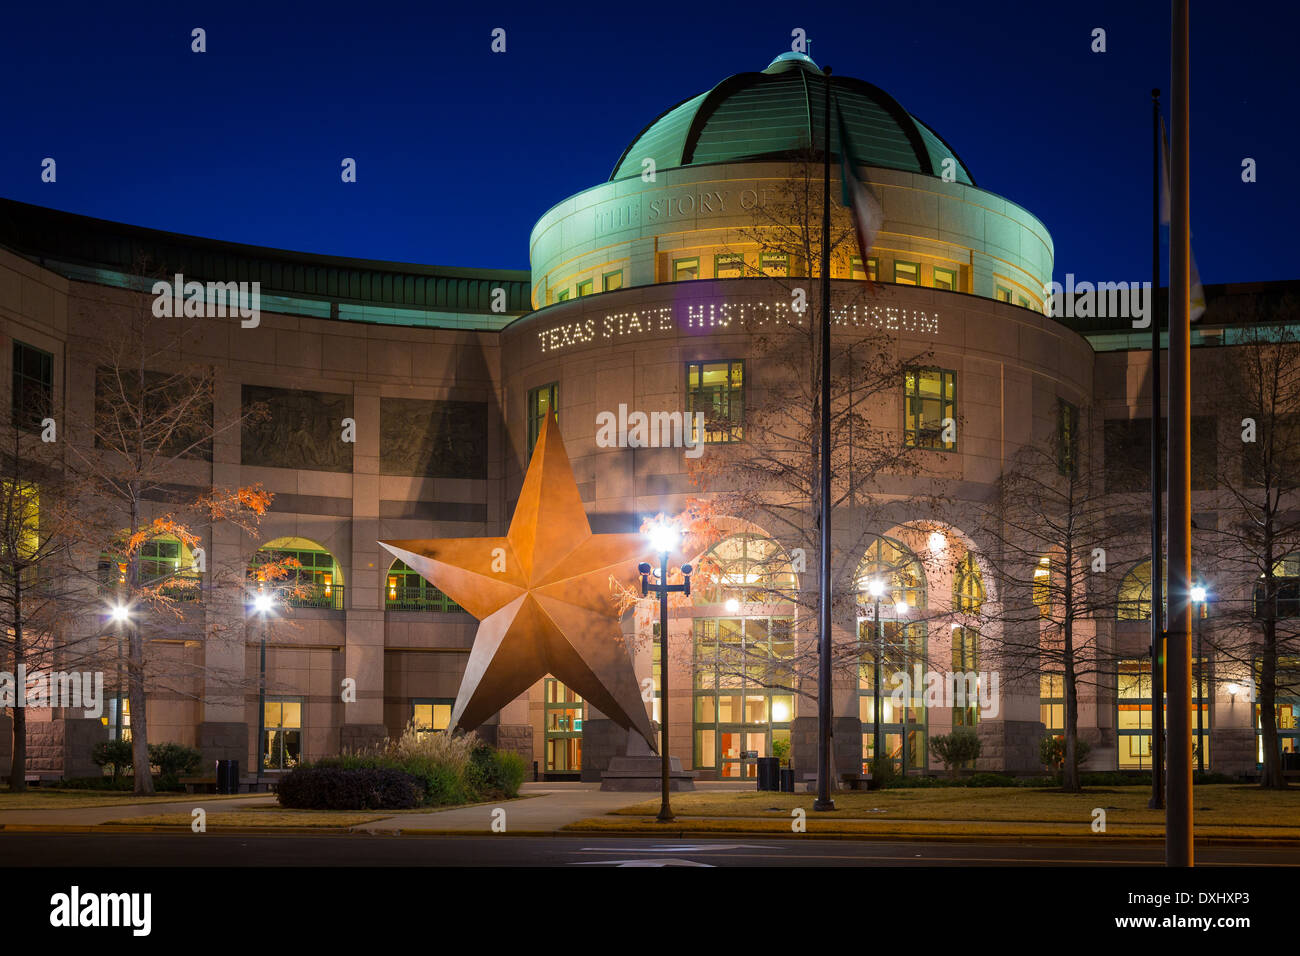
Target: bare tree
1053, 537
1256, 541
142, 466
40, 594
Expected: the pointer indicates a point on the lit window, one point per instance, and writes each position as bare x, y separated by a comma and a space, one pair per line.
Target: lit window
944, 279
1022, 302
1003, 294
612, 281
774, 264
562, 295
407, 590
718, 390
430, 715
907, 273
857, 272
728, 265
686, 269
930, 408
1042, 594
968, 586
282, 733
542, 401
586, 287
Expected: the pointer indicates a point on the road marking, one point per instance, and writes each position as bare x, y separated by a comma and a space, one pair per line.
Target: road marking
662, 861
678, 847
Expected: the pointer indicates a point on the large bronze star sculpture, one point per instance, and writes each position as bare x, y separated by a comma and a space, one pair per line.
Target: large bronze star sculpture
542, 597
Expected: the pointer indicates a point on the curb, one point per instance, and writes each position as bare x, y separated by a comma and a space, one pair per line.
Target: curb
650, 833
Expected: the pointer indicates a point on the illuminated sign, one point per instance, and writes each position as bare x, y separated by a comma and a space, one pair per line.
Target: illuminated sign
719, 316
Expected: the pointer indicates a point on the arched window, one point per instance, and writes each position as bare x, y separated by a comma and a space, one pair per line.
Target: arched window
896, 566
1042, 593
743, 697
967, 586
1134, 602
163, 563
750, 569
1134, 599
889, 575
313, 578
406, 590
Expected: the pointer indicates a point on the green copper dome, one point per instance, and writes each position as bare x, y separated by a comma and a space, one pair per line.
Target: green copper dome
777, 114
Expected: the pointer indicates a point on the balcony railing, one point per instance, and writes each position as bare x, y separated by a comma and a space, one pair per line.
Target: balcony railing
318, 596
418, 599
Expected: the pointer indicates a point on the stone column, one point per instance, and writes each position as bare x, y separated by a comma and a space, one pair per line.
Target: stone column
363, 720
223, 731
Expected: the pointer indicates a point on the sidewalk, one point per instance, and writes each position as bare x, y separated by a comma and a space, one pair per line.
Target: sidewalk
94, 816
547, 807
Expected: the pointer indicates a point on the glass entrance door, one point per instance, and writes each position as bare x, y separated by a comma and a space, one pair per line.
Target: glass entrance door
564, 711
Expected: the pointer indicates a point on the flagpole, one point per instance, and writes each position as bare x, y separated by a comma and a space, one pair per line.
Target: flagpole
824, 801
1157, 801
1178, 647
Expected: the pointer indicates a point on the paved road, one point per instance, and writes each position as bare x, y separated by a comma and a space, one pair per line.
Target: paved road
213, 849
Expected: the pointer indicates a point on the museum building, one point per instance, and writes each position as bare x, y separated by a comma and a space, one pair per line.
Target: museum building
651, 291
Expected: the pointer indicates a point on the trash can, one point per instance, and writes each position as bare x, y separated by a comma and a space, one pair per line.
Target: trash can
769, 773
227, 776
787, 780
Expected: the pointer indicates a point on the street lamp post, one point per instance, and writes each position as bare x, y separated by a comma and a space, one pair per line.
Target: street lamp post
1198, 607
262, 605
663, 538
877, 590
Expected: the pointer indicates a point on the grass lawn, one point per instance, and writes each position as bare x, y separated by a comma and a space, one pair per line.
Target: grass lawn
1223, 810
271, 817
48, 798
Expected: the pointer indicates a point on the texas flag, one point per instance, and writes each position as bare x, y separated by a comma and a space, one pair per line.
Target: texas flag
856, 193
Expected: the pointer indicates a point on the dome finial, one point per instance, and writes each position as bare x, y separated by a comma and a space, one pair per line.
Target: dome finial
792, 59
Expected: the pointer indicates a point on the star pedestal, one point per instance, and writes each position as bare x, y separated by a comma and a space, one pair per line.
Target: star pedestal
640, 770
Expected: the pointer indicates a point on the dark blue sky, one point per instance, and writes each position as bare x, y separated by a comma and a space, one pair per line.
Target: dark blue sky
460, 150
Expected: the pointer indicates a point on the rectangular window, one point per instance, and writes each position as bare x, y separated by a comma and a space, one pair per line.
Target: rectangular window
945, 279
1022, 302
1133, 713
564, 711
586, 287
612, 281
729, 265
542, 401
1051, 702
686, 269
1067, 437
562, 295
118, 718
430, 714
857, 272
907, 273
774, 264
282, 733
1003, 294
737, 715
718, 390
930, 408
33, 386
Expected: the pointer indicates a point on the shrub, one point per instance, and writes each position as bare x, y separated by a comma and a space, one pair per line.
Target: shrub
172, 760
448, 768
1051, 751
781, 750
883, 773
113, 753
955, 749
334, 788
